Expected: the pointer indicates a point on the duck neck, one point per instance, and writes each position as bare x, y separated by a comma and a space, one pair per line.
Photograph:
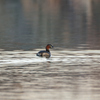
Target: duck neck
47, 50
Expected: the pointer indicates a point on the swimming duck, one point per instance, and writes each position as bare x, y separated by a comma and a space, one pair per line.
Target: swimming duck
46, 53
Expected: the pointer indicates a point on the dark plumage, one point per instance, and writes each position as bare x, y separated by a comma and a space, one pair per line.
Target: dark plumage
45, 53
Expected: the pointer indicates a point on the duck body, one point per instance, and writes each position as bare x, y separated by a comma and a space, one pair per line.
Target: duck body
45, 53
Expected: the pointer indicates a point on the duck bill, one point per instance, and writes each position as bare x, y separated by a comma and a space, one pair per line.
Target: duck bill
52, 47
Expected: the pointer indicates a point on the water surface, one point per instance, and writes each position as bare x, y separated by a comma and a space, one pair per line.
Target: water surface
72, 75
32, 24
72, 27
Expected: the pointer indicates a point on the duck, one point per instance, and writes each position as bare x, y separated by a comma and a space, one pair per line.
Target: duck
45, 53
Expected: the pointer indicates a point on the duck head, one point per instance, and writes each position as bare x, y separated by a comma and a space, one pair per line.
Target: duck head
49, 46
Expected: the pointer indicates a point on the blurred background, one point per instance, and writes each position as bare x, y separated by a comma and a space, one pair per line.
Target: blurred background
72, 27
31, 24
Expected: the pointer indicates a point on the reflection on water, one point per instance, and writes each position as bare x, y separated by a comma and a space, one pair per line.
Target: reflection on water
72, 75
28, 24
67, 75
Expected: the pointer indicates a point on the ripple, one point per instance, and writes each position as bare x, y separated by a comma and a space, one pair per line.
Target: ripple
20, 58
23, 74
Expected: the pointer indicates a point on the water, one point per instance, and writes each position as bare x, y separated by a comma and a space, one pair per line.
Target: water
72, 75
32, 24
72, 72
